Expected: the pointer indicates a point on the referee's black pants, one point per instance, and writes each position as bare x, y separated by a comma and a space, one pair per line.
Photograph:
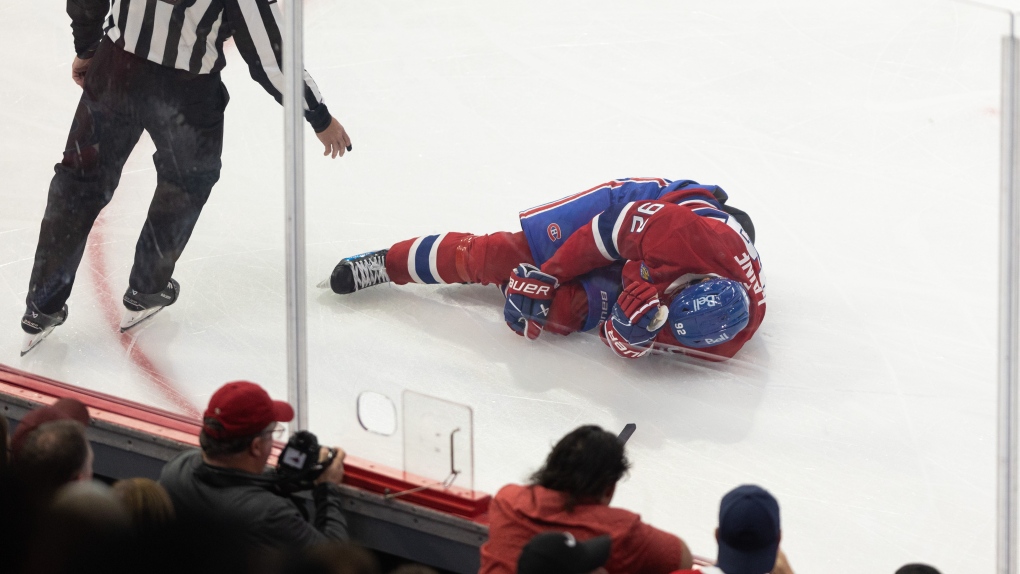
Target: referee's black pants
123, 95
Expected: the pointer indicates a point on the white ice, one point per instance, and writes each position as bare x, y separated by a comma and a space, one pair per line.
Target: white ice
862, 137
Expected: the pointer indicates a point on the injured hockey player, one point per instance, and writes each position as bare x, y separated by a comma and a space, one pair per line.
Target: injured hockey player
651, 263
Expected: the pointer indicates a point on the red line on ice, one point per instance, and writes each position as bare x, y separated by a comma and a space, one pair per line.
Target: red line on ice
108, 300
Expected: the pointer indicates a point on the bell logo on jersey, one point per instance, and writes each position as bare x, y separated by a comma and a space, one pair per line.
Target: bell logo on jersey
554, 232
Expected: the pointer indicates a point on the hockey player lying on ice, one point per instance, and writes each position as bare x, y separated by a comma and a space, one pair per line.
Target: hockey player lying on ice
640, 252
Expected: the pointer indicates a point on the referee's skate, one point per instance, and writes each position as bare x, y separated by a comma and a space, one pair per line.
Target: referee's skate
141, 306
38, 325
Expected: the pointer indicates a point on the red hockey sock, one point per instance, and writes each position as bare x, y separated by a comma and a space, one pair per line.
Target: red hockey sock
457, 258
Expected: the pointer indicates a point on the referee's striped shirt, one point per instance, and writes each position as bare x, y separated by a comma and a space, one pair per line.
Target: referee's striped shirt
189, 35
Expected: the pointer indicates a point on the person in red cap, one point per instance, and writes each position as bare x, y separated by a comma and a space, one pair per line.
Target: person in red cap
65, 408
228, 477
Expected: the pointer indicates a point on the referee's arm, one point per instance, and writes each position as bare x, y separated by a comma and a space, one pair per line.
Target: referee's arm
87, 24
256, 29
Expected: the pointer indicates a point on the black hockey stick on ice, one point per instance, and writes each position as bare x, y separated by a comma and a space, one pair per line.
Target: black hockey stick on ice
626, 432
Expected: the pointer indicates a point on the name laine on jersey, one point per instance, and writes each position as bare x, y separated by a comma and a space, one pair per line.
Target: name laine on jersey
747, 264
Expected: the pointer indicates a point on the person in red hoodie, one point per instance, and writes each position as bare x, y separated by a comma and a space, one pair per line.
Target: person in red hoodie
571, 493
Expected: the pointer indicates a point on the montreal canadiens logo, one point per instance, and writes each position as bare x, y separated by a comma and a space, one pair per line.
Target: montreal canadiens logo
554, 232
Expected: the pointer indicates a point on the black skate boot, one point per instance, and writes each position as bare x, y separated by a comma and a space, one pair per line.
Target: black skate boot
360, 271
141, 306
37, 325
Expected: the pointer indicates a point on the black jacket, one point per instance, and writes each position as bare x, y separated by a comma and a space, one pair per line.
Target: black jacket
270, 518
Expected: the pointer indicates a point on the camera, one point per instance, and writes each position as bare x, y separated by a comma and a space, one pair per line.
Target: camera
298, 465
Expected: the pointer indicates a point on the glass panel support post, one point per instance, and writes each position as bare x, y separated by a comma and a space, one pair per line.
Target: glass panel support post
294, 184
1009, 304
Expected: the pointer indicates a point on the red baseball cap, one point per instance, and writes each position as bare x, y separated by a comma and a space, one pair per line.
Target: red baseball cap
240, 408
65, 408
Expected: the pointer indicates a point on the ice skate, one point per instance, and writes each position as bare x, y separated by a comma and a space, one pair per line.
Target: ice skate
141, 306
38, 326
357, 272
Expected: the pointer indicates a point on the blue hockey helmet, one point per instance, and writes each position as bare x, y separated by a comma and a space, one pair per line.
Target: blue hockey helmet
709, 313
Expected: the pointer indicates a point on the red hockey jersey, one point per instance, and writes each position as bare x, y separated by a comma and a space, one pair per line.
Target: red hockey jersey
669, 243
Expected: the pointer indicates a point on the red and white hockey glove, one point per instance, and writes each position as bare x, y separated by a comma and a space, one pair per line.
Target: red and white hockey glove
529, 296
637, 318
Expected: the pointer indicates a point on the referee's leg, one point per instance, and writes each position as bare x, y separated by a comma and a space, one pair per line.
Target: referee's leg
101, 138
189, 141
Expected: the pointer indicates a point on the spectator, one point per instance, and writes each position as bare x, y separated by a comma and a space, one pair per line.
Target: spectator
146, 501
571, 493
561, 553
228, 476
5, 444
65, 408
413, 569
748, 534
334, 558
917, 569
51, 456
84, 529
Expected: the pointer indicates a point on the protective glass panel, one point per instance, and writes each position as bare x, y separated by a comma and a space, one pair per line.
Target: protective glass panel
228, 322
438, 442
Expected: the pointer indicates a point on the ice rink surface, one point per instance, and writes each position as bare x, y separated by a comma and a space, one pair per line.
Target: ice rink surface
861, 136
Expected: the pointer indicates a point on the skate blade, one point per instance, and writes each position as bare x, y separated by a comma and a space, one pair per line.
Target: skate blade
32, 340
324, 284
132, 318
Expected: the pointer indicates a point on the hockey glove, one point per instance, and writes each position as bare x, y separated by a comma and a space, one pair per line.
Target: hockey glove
637, 318
529, 295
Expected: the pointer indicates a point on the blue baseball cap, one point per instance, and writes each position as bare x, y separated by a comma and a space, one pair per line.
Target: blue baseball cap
748, 531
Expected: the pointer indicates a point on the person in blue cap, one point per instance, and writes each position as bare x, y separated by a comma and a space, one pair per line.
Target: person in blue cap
748, 535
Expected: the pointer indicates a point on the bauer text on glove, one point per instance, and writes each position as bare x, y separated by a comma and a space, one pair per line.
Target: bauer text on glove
529, 296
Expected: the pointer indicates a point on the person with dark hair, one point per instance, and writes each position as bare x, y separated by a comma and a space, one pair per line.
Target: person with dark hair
228, 476
917, 569
571, 493
748, 534
52, 455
